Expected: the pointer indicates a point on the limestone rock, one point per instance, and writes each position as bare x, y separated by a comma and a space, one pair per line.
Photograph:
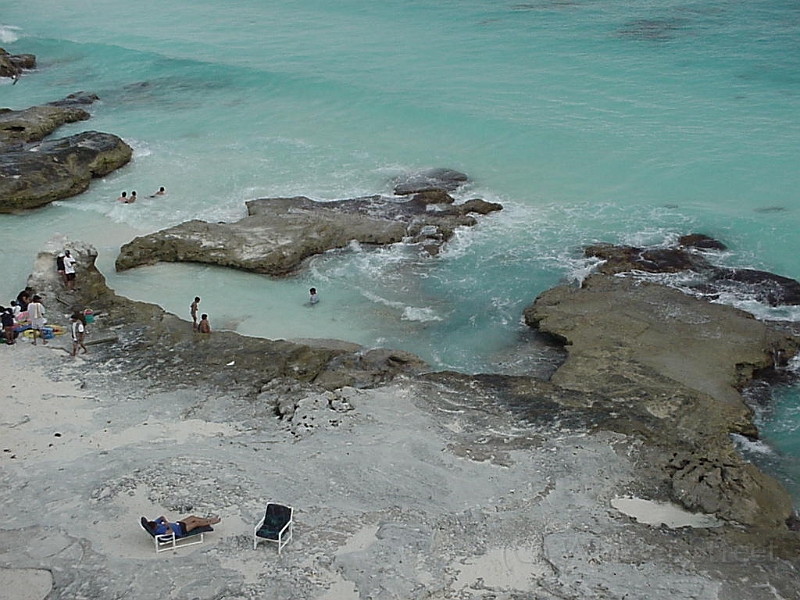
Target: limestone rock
700, 241
279, 233
11, 65
690, 256
431, 180
34, 173
672, 365
58, 169
37, 122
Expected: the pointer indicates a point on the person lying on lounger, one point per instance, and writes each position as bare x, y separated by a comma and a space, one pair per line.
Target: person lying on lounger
161, 526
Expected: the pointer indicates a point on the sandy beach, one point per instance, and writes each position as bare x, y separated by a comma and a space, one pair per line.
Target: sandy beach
403, 491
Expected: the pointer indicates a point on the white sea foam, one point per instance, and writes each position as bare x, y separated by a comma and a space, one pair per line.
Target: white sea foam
9, 34
421, 314
746, 445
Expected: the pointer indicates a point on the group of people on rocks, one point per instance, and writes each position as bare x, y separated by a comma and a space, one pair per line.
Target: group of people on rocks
27, 313
124, 198
203, 326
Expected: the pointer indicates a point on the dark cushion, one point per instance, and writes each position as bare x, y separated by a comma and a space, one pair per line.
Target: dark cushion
276, 519
197, 530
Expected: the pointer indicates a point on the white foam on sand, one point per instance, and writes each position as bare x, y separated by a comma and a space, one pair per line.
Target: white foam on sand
655, 513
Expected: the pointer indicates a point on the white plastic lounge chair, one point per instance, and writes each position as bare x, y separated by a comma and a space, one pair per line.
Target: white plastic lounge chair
276, 526
169, 541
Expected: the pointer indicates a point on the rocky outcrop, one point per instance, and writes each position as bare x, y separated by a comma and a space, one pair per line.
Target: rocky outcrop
429, 180
11, 65
707, 279
667, 368
37, 122
34, 172
279, 233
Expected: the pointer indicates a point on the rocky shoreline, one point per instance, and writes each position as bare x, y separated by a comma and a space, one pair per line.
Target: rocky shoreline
390, 453
641, 359
410, 483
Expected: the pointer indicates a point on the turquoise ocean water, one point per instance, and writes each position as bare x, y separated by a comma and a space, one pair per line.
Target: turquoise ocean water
625, 122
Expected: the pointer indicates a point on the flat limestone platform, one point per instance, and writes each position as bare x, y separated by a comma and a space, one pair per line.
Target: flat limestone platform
405, 491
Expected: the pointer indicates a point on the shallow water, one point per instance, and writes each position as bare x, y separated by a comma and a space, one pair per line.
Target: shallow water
589, 121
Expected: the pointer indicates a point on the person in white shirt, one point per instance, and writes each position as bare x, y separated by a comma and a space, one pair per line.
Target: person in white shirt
36, 316
78, 333
69, 270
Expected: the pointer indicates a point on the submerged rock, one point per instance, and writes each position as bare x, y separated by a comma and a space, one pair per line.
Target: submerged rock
279, 233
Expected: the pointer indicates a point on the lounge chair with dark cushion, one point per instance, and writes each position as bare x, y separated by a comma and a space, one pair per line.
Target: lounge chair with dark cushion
276, 526
170, 541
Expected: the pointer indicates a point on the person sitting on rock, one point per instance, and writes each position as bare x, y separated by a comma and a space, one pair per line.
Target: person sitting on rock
204, 326
181, 528
23, 298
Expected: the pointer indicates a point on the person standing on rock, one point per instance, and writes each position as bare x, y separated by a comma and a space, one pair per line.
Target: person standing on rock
78, 333
60, 268
8, 325
69, 270
204, 326
193, 308
36, 316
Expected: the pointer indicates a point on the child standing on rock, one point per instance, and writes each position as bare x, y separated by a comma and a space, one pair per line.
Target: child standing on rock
78, 333
193, 308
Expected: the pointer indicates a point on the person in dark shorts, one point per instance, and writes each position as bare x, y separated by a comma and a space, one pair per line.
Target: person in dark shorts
69, 270
161, 526
8, 325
